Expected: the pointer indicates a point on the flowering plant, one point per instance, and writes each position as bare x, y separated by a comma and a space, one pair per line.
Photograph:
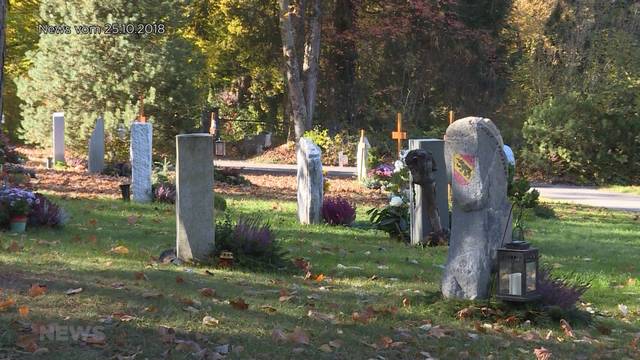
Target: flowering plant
18, 201
392, 219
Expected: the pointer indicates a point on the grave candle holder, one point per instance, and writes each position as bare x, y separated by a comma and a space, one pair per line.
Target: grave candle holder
517, 272
220, 148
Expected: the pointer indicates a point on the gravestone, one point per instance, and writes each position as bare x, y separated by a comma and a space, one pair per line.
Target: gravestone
362, 157
343, 160
195, 219
477, 170
58, 137
96, 147
140, 152
310, 182
421, 227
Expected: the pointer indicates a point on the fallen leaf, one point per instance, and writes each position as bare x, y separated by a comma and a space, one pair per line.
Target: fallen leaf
210, 321
406, 302
634, 342
151, 294
179, 280
316, 315
384, 342
93, 222
239, 304
96, 339
278, 335
14, 247
319, 277
121, 250
363, 317
631, 282
302, 264
268, 309
4, 305
299, 336
167, 334
23, 310
140, 276
464, 313
133, 219
74, 291
37, 290
325, 348
207, 292
542, 354
568, 331
283, 299
336, 343
624, 310
27, 342
438, 332
151, 309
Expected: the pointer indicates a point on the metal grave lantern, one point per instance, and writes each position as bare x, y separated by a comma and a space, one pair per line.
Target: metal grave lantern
220, 148
517, 272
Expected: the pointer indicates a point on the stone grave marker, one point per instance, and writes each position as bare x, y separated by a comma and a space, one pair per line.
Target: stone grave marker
195, 218
343, 160
96, 147
362, 157
477, 170
58, 137
310, 181
421, 226
141, 164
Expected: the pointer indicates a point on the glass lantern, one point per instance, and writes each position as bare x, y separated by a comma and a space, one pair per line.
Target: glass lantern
220, 148
517, 272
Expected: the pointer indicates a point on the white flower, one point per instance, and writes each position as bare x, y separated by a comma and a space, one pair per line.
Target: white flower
398, 166
396, 201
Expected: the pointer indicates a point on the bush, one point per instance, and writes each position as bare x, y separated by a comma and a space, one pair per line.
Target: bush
8, 153
338, 211
558, 292
392, 219
219, 203
45, 213
332, 146
583, 139
251, 241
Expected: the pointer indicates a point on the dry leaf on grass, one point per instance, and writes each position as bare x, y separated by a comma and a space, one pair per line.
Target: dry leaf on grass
299, 336
23, 310
316, 315
139, 275
542, 354
278, 335
437, 332
74, 291
207, 292
27, 342
4, 305
210, 321
568, 331
325, 348
239, 304
167, 334
406, 302
37, 290
120, 250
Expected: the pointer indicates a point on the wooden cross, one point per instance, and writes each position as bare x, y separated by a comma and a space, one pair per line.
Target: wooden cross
451, 118
399, 134
141, 117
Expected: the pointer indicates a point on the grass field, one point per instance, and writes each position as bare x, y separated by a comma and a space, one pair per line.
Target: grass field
360, 267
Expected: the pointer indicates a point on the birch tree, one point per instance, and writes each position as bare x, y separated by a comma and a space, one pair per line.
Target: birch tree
301, 39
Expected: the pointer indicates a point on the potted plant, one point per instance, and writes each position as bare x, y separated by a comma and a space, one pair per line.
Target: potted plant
18, 202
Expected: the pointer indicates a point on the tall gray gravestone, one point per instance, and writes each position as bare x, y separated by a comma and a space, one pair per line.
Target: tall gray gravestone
362, 155
420, 224
141, 165
477, 170
96, 147
58, 137
195, 222
310, 182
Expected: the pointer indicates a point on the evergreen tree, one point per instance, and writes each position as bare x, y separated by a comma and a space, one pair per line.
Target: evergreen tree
86, 75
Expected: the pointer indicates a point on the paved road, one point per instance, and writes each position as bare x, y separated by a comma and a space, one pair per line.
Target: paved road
590, 196
563, 193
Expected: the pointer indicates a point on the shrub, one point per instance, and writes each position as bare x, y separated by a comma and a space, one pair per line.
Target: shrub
392, 219
8, 153
559, 292
165, 193
251, 241
219, 203
45, 213
338, 211
332, 146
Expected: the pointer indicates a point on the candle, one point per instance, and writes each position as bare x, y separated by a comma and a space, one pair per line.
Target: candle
515, 284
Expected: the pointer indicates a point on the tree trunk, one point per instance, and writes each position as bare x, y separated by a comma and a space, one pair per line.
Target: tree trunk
292, 69
345, 62
311, 58
3, 18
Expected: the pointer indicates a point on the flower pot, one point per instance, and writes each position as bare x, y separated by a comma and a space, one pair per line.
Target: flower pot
18, 223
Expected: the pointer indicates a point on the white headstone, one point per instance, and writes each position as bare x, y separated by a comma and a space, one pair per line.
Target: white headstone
343, 160
195, 222
310, 182
141, 163
96, 147
58, 137
362, 157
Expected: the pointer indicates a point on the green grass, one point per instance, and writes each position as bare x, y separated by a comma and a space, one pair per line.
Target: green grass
582, 243
627, 189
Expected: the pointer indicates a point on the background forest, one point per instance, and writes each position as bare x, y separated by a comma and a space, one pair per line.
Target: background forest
561, 78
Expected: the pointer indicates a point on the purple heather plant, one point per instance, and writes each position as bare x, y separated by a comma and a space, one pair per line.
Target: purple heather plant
383, 170
165, 192
18, 201
252, 236
338, 211
45, 213
557, 291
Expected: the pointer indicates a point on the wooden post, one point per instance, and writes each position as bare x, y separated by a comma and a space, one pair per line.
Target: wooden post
399, 135
451, 118
141, 117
